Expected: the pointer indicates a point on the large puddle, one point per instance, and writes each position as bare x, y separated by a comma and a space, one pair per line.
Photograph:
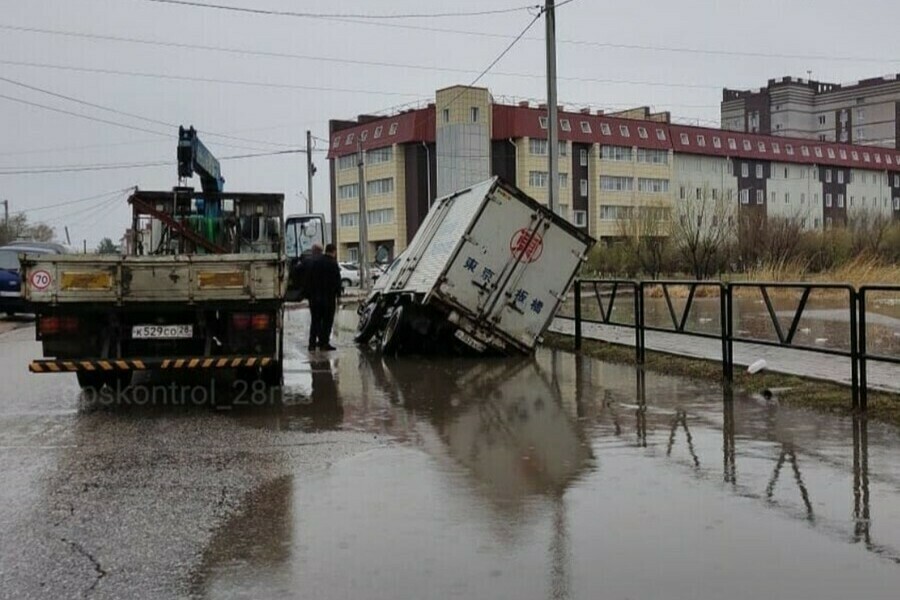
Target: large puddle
562, 477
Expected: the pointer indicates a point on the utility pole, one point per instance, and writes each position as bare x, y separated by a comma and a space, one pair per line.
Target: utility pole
310, 171
6, 214
552, 109
363, 219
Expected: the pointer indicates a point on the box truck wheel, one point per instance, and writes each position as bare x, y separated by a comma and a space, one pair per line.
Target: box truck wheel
393, 332
369, 320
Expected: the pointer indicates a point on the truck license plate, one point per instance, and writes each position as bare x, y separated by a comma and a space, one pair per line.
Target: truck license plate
469, 340
162, 332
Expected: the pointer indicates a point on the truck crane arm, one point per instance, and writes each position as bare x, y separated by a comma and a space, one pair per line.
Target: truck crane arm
195, 157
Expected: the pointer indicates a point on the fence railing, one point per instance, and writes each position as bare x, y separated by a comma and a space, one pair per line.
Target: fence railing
606, 292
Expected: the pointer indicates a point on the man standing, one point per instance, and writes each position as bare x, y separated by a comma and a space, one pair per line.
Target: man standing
323, 289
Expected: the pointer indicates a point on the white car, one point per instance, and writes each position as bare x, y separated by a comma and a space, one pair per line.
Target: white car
349, 275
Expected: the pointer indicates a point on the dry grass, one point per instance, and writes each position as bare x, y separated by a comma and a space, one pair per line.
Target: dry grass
863, 270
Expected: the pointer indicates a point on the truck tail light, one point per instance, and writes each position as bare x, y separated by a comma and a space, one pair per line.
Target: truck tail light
261, 322
69, 324
240, 321
49, 325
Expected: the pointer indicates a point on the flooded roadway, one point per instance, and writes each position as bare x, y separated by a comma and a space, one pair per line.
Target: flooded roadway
558, 477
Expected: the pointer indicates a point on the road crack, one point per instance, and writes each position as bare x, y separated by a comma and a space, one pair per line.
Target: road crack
98, 568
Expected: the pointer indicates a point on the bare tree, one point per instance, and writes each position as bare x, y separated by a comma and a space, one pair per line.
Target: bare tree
869, 228
646, 232
18, 228
701, 231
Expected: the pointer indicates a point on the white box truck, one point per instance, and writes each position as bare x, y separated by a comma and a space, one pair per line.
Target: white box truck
485, 274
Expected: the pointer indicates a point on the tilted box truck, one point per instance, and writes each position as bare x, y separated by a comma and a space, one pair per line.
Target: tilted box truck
485, 273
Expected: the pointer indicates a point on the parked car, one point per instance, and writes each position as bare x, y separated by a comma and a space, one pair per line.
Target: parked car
349, 275
11, 301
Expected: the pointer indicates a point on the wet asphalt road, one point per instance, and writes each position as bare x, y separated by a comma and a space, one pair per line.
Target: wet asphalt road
558, 477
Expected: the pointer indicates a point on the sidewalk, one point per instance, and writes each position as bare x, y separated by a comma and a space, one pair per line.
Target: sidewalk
882, 376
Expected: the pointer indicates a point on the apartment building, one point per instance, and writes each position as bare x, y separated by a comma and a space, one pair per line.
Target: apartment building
864, 112
613, 168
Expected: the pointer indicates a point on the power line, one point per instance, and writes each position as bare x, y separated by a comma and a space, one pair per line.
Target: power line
311, 15
355, 62
70, 202
46, 169
128, 114
202, 79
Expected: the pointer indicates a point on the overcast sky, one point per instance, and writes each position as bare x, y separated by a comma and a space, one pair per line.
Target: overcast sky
277, 113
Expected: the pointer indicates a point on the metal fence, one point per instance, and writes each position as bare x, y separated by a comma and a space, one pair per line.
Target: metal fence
607, 292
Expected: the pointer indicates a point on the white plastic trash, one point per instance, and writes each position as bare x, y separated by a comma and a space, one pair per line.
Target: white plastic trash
758, 366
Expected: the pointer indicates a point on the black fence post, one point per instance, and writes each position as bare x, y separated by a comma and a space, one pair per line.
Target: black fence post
854, 351
723, 331
578, 314
729, 329
639, 322
862, 351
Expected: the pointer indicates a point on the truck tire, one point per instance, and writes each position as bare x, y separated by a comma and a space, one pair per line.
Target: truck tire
369, 320
392, 338
117, 380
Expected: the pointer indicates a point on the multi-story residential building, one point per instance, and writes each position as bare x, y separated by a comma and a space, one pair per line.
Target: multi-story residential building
612, 169
865, 112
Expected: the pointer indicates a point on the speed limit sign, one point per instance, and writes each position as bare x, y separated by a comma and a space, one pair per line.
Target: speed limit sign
40, 280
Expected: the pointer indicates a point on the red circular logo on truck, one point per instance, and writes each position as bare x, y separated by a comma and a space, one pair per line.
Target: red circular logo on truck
40, 280
527, 244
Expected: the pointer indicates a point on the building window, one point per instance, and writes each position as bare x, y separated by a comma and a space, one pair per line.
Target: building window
661, 135
865, 157
715, 194
843, 154
337, 141
698, 194
654, 157
776, 148
821, 119
789, 149
840, 176
393, 129
564, 125
563, 180
580, 218
348, 191
760, 197
350, 139
563, 149
537, 179
878, 159
350, 220
818, 152
642, 133
617, 153
347, 162
363, 136
604, 129
583, 188
802, 198
828, 222
537, 146
353, 254
378, 131
827, 200
652, 185
382, 216
446, 113
685, 140
745, 170
840, 200
378, 187
611, 183
854, 155
827, 175
543, 122
717, 141
585, 128
732, 144
623, 131
583, 157
787, 197
759, 171
745, 196
830, 153
747, 146
380, 155
896, 180
473, 114
771, 197
896, 203
761, 146
681, 193
701, 141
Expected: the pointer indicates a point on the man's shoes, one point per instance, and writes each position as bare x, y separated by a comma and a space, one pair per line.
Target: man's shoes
312, 348
327, 347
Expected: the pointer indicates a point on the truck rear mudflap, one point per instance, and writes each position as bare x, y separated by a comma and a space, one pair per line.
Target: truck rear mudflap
182, 363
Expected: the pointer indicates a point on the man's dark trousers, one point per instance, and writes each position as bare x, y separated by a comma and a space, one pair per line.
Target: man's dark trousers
321, 312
